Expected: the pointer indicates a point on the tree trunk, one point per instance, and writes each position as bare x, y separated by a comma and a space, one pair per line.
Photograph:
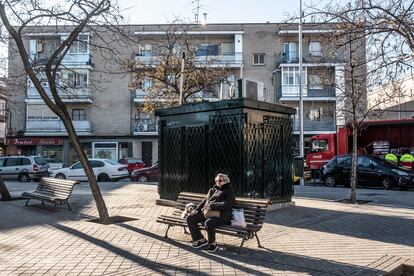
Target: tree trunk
4, 193
354, 164
96, 192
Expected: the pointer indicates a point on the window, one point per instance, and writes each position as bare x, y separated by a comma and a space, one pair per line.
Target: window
365, 162
319, 145
290, 76
10, 162
145, 50
40, 161
343, 160
315, 114
78, 114
80, 46
315, 82
25, 161
96, 164
77, 166
315, 48
77, 79
258, 59
2, 162
207, 50
290, 52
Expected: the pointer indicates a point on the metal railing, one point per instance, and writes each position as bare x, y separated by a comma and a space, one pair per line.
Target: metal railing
327, 124
55, 126
231, 58
309, 58
70, 94
145, 126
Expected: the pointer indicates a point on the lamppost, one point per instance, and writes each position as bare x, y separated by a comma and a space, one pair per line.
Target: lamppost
301, 136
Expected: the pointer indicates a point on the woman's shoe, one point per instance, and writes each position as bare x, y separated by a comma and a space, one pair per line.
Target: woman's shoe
199, 243
212, 247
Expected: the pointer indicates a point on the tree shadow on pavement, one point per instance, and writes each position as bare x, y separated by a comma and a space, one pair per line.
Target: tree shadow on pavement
388, 228
268, 258
155, 266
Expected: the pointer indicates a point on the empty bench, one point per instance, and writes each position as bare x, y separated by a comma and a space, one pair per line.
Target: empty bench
254, 212
53, 190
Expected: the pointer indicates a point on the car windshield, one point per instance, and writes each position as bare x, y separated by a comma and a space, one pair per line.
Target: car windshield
319, 145
40, 161
112, 162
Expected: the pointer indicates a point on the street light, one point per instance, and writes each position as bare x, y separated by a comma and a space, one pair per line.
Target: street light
301, 138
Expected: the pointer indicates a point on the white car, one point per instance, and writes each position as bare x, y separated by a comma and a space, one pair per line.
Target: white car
104, 169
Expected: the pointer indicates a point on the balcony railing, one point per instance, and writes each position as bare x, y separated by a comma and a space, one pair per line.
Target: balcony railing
70, 59
145, 127
224, 59
70, 95
292, 92
316, 125
309, 58
56, 126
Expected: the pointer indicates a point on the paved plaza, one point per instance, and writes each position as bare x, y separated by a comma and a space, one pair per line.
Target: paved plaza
318, 236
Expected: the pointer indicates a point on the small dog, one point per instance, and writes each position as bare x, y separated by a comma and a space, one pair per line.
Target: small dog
188, 210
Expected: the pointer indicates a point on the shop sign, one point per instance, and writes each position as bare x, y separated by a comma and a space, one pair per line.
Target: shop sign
34, 141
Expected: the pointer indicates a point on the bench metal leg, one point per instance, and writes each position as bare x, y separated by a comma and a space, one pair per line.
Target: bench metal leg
257, 239
166, 232
67, 203
185, 230
243, 239
27, 202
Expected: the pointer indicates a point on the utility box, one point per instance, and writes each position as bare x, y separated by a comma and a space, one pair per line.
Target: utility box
251, 141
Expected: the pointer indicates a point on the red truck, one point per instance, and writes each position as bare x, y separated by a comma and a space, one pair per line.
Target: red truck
376, 137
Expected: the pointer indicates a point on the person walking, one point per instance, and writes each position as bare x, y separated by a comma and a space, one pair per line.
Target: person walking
215, 210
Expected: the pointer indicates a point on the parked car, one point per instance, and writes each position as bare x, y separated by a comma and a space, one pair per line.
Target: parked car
104, 169
149, 174
132, 163
371, 171
23, 168
54, 163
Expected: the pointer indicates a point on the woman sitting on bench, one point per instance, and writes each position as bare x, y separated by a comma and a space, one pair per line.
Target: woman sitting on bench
215, 210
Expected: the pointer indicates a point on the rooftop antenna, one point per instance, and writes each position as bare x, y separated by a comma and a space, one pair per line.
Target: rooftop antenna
196, 10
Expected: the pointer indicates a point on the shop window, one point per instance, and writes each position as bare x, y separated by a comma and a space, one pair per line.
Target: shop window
73, 157
105, 150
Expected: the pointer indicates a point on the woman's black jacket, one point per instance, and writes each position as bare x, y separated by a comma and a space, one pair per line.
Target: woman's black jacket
221, 199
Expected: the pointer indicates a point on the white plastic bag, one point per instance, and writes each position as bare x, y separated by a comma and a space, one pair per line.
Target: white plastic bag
238, 218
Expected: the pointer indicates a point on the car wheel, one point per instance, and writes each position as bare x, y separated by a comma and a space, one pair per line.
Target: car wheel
103, 178
386, 183
60, 176
330, 181
142, 178
24, 177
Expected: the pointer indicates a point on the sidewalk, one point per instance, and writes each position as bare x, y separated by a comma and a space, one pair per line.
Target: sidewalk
318, 236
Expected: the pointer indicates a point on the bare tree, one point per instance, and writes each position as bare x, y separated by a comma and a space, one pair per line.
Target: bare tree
72, 17
161, 66
376, 38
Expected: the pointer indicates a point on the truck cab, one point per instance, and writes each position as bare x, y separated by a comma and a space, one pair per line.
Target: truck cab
322, 149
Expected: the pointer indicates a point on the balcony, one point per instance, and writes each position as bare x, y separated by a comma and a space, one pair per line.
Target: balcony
56, 127
291, 93
145, 127
311, 59
140, 96
78, 95
327, 124
71, 60
232, 59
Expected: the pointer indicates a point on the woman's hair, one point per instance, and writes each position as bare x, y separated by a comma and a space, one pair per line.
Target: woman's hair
223, 176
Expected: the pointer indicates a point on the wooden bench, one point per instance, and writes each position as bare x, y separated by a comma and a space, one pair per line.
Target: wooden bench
53, 190
254, 212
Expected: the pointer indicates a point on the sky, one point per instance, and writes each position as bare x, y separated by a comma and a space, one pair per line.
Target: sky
218, 11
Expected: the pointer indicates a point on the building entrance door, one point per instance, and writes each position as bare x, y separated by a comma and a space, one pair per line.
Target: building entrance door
147, 153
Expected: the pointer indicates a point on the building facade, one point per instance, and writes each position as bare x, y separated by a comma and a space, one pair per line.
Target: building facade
106, 111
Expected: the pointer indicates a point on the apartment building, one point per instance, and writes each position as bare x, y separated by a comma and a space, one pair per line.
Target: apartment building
106, 110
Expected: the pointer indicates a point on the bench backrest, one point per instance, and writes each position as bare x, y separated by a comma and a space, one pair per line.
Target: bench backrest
254, 209
60, 188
